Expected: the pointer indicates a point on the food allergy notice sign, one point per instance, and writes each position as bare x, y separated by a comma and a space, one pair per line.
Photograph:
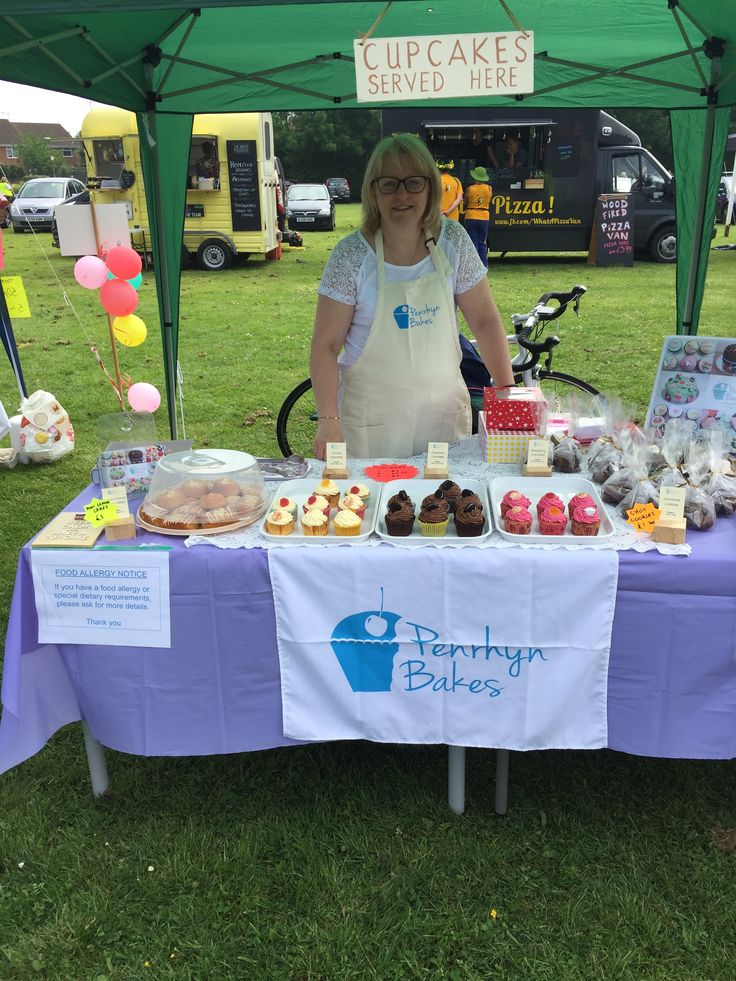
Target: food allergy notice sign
245, 201
103, 598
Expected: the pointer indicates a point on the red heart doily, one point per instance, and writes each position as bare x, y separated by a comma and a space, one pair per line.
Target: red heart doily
383, 472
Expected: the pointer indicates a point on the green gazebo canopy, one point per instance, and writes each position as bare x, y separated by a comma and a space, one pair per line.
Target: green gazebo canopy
166, 60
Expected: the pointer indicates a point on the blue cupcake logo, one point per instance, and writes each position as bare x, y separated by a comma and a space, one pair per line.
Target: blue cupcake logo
401, 316
365, 645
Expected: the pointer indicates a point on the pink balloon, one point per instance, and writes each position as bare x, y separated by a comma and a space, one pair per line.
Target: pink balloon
123, 262
118, 297
144, 397
90, 272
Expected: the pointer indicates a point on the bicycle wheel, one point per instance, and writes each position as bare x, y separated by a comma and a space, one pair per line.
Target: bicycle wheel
296, 425
556, 385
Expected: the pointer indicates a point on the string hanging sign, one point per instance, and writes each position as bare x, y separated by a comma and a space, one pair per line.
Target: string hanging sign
446, 66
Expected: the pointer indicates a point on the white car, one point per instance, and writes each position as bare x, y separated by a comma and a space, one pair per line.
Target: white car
34, 204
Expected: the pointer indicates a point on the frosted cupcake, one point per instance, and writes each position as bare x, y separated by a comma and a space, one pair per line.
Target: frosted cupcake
279, 522
330, 490
433, 519
346, 523
552, 521
580, 500
351, 502
549, 500
285, 504
513, 499
315, 523
518, 520
361, 490
585, 521
318, 502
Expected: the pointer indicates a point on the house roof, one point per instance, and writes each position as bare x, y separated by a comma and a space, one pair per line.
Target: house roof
11, 132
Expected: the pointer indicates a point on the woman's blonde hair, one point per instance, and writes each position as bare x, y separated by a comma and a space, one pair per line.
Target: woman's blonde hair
404, 148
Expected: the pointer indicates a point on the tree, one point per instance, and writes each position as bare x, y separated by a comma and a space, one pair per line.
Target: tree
653, 129
315, 145
35, 154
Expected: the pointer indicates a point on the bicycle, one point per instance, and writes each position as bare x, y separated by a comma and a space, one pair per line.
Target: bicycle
296, 425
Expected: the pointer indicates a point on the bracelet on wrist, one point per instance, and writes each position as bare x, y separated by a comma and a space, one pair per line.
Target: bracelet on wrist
327, 417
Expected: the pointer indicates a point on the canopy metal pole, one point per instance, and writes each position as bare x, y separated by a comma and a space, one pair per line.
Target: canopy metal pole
161, 262
710, 122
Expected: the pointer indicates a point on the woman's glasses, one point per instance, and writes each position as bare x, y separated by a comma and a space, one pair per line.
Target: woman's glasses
390, 185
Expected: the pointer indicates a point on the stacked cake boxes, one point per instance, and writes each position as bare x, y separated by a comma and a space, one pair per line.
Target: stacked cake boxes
511, 417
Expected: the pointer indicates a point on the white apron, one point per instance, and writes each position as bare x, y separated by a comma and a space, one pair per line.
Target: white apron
406, 389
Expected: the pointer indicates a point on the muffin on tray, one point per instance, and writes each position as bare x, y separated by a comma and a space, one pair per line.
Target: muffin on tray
553, 521
518, 520
347, 523
433, 519
451, 492
513, 499
586, 520
280, 522
315, 523
399, 518
469, 520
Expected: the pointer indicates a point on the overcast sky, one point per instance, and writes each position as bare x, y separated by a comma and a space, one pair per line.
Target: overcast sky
23, 104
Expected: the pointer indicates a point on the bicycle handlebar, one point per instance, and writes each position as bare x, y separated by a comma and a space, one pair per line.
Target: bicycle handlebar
525, 324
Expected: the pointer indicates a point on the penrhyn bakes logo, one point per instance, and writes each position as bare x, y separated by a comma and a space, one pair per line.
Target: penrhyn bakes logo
366, 645
407, 316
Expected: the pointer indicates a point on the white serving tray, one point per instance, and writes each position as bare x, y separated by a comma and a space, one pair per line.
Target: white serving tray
300, 490
418, 489
565, 486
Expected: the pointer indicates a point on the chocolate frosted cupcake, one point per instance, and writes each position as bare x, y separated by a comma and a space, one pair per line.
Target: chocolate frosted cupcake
468, 496
433, 520
439, 498
451, 493
399, 518
469, 519
402, 498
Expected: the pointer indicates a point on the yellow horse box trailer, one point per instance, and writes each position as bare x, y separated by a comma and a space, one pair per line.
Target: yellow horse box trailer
231, 185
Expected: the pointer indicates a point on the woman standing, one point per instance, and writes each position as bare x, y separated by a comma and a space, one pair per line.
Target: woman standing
477, 211
385, 361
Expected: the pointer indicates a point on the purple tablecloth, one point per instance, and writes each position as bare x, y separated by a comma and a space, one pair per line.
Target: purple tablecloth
672, 673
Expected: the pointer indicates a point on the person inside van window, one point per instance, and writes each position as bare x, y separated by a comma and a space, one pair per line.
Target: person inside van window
208, 165
508, 154
385, 361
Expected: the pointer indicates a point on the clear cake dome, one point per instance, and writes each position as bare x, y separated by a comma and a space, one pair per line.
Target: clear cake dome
199, 491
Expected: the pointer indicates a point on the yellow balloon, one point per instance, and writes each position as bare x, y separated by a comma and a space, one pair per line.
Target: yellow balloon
129, 330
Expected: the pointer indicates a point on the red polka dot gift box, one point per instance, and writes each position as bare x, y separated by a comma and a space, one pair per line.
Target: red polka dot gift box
515, 409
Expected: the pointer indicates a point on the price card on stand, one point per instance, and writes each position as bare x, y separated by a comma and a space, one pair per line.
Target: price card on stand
537, 459
436, 460
119, 498
671, 503
336, 460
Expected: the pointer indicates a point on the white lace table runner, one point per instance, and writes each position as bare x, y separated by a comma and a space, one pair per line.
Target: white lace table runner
465, 462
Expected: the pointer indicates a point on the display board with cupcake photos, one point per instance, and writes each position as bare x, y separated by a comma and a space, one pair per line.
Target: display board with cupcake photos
695, 381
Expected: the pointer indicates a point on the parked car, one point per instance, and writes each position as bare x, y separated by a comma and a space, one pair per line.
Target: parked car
35, 202
4, 211
339, 188
310, 206
722, 199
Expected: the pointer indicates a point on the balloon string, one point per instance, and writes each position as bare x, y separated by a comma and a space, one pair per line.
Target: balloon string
125, 380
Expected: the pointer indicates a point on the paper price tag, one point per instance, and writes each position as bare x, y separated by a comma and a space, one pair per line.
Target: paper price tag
537, 453
671, 503
15, 297
642, 516
97, 512
119, 498
336, 457
437, 456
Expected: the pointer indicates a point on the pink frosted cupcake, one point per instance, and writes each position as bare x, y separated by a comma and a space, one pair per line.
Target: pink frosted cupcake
586, 521
553, 520
549, 500
352, 502
518, 520
581, 500
513, 499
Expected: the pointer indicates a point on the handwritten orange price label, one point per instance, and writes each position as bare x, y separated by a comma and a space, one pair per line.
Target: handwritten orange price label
643, 517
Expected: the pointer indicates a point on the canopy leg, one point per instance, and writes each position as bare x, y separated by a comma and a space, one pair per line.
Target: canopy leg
502, 781
96, 762
456, 778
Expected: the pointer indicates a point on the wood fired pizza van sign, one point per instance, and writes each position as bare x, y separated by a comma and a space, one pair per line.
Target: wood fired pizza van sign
446, 66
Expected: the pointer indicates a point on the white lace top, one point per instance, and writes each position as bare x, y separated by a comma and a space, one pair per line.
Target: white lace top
351, 277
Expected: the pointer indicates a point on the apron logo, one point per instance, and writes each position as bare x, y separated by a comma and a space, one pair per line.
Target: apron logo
408, 316
365, 646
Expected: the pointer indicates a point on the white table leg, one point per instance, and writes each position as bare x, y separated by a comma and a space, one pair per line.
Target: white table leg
502, 780
96, 762
456, 778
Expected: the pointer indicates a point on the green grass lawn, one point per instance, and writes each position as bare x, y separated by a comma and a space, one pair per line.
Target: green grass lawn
342, 861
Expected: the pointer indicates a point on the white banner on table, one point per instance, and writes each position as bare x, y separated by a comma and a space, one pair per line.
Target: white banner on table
113, 598
444, 66
466, 647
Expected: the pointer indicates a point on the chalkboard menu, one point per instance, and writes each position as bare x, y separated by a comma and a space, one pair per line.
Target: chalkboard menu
245, 199
613, 233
